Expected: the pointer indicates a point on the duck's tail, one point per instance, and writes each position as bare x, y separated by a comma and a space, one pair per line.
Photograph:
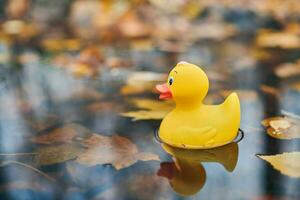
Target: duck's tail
232, 105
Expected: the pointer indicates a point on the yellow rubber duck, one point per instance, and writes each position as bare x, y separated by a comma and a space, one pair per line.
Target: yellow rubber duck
192, 124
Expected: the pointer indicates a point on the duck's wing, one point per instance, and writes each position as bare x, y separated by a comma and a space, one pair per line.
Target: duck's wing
205, 134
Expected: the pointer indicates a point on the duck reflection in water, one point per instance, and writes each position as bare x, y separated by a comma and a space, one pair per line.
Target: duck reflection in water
186, 174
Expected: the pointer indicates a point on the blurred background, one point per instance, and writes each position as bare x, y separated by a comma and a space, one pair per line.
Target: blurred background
72, 71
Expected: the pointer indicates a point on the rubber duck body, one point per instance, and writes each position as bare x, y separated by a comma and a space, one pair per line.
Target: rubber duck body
192, 124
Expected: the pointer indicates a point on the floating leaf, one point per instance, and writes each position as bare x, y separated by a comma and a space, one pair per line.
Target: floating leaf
282, 127
287, 70
116, 150
269, 90
151, 109
287, 163
57, 154
285, 40
62, 134
139, 82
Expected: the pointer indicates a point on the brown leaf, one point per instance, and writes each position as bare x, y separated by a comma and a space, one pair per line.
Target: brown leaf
116, 150
287, 163
57, 154
151, 109
287, 70
285, 40
282, 127
269, 90
63, 134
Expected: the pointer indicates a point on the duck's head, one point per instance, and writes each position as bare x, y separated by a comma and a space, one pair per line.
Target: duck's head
186, 83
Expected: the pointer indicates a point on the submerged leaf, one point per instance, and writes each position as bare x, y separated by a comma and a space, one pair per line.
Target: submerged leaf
287, 163
151, 109
282, 127
57, 154
62, 134
116, 150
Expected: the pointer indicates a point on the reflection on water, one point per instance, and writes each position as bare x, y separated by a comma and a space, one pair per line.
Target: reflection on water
186, 174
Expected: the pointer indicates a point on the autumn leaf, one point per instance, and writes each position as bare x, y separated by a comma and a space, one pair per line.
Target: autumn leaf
63, 134
150, 109
270, 90
139, 82
287, 70
282, 127
57, 154
285, 39
116, 150
287, 163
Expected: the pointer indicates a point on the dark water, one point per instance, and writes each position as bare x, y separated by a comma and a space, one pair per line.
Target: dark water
230, 172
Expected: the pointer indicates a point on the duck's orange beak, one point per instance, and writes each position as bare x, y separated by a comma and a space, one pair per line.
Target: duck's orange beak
164, 90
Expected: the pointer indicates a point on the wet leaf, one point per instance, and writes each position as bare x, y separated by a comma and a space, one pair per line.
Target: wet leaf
282, 127
151, 109
140, 82
287, 70
269, 90
116, 150
63, 134
287, 163
57, 154
285, 40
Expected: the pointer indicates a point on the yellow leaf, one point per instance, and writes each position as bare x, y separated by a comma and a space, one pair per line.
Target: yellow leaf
282, 127
287, 163
139, 82
287, 70
151, 109
116, 150
285, 40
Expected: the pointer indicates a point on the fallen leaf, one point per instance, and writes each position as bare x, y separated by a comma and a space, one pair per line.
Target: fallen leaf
57, 154
151, 109
140, 82
282, 127
269, 90
287, 163
63, 134
271, 39
214, 31
287, 70
116, 150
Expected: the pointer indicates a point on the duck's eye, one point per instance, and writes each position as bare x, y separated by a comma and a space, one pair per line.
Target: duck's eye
171, 80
